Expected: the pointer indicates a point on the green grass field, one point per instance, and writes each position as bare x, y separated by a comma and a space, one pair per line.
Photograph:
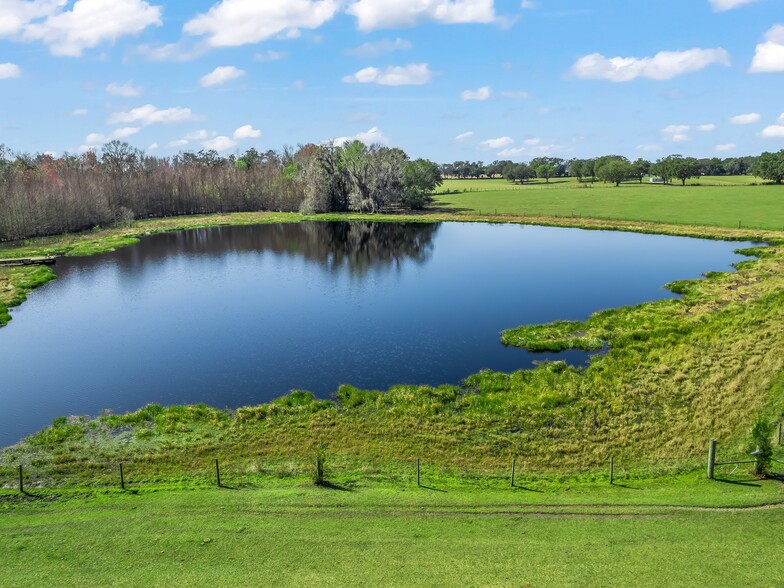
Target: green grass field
720, 202
307, 536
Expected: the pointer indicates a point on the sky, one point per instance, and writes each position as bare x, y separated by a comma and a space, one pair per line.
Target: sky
442, 79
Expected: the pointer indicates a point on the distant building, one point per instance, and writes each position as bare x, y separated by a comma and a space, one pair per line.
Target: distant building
654, 180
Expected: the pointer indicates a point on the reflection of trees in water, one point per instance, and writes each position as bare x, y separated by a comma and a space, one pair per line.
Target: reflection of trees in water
359, 246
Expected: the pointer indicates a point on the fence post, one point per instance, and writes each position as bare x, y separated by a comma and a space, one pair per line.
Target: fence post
780, 424
514, 463
418, 478
122, 477
21, 479
217, 473
711, 458
612, 469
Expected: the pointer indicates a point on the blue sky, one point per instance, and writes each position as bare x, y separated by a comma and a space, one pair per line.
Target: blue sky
442, 79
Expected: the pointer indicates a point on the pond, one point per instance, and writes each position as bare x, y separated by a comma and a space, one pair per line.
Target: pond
236, 316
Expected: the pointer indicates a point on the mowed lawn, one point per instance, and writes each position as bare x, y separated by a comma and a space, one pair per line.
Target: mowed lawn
319, 537
720, 202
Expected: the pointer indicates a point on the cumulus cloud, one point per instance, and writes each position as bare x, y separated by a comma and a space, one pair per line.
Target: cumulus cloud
152, 147
80, 112
706, 128
125, 132
511, 152
246, 132
664, 65
9, 70
482, 93
415, 74
232, 23
464, 136
370, 50
384, 14
127, 90
150, 115
677, 133
221, 75
369, 137
725, 147
197, 135
88, 23
177, 143
773, 131
746, 119
724, 5
497, 143
220, 143
769, 56
181, 51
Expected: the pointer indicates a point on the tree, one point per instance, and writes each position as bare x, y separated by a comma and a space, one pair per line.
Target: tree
545, 171
420, 178
640, 168
770, 166
615, 170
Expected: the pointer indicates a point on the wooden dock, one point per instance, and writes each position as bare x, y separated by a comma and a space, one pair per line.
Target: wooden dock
29, 261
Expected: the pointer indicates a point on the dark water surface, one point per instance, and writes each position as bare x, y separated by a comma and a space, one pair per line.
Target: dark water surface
240, 315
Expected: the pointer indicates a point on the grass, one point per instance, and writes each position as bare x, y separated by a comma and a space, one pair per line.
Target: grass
719, 202
306, 536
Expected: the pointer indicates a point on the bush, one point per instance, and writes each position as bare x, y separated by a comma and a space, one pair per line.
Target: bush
761, 435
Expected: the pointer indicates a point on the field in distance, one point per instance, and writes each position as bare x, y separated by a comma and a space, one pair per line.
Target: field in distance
721, 201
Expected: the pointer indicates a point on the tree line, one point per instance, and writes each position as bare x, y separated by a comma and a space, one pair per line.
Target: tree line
45, 195
617, 168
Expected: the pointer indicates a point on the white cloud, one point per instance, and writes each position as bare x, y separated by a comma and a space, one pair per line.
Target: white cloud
769, 56
497, 143
369, 137
370, 50
724, 5
773, 131
150, 115
18, 13
152, 147
662, 66
517, 95
177, 143
527, 5
90, 23
220, 143
746, 119
380, 14
781, 117
200, 135
725, 147
482, 93
221, 75
181, 51
94, 139
415, 74
706, 128
128, 90
516, 151
464, 136
677, 133
246, 132
9, 70
231, 23
80, 112
125, 132
649, 147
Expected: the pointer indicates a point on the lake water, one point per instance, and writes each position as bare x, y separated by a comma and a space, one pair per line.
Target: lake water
240, 315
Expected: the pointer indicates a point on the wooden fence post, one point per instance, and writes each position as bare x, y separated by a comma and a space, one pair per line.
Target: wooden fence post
418, 478
514, 464
122, 477
21, 479
711, 458
612, 469
217, 473
780, 425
